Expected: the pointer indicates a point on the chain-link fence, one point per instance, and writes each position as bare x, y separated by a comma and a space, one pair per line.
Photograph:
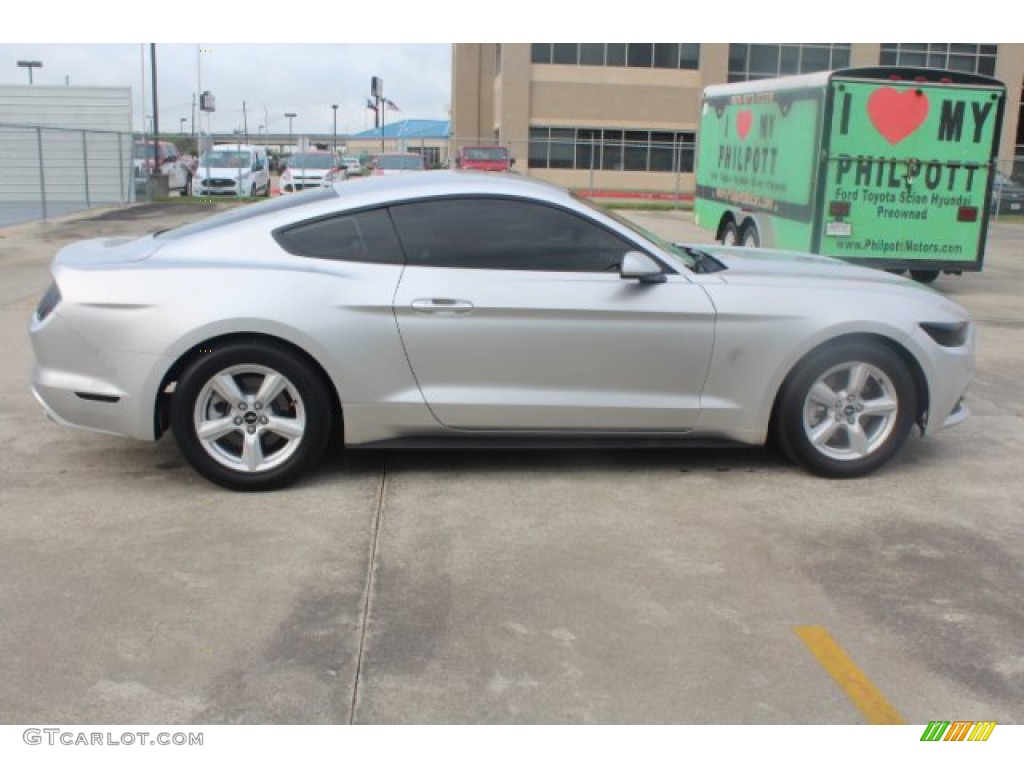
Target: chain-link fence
53, 171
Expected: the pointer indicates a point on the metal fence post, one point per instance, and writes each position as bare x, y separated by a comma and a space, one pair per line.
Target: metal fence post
42, 173
120, 165
85, 169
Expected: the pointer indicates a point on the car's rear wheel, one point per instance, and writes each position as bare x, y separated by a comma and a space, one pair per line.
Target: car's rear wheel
846, 409
251, 417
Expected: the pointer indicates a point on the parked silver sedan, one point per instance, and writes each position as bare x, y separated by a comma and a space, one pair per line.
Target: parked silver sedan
452, 308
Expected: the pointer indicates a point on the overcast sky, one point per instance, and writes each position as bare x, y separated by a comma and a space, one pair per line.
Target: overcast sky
102, 42
271, 79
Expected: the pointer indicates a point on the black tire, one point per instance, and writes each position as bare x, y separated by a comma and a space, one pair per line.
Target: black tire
251, 445
924, 275
749, 237
871, 409
730, 234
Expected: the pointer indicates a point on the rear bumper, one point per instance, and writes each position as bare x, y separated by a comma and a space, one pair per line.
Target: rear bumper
80, 385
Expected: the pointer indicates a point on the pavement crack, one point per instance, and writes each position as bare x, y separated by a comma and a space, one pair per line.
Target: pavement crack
365, 620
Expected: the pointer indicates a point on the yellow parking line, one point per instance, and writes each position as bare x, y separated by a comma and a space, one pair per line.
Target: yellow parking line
855, 684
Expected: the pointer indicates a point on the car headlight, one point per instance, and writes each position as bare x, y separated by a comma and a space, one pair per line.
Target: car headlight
48, 303
948, 334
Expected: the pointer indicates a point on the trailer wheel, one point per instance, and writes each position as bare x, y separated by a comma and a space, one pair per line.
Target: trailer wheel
749, 237
924, 275
730, 234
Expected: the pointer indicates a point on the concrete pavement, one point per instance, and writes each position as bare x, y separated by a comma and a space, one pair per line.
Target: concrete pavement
546, 587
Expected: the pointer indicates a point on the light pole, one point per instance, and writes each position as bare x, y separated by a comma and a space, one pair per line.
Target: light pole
30, 65
335, 108
181, 128
290, 115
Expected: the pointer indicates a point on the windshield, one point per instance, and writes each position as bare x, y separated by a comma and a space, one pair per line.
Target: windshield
400, 162
312, 160
670, 248
222, 158
486, 153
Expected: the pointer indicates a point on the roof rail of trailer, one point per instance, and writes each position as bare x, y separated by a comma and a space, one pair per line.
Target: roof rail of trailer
875, 74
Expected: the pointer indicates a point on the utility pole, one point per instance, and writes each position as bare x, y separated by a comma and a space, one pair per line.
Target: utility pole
335, 108
156, 116
245, 123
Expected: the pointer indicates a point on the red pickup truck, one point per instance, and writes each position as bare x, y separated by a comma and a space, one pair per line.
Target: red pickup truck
484, 159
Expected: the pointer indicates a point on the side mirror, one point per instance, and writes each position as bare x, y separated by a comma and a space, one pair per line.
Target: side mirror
641, 267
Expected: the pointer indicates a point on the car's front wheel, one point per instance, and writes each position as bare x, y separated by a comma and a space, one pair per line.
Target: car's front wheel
846, 409
251, 417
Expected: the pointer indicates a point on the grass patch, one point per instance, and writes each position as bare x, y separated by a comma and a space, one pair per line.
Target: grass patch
644, 205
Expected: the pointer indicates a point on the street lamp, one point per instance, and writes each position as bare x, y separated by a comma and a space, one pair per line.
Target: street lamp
181, 128
290, 115
335, 108
30, 65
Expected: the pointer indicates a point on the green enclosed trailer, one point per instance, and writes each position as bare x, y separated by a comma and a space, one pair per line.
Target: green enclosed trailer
886, 166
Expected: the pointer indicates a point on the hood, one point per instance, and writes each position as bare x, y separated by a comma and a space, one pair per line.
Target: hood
106, 251
754, 263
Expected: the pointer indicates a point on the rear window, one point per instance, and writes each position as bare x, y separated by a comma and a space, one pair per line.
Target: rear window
249, 211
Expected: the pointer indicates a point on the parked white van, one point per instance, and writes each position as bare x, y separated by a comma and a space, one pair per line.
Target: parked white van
232, 169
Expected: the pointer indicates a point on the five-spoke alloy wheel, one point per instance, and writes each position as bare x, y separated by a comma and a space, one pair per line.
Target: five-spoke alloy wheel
847, 409
250, 417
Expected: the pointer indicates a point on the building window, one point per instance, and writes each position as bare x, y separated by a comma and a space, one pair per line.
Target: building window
611, 149
961, 57
638, 55
754, 61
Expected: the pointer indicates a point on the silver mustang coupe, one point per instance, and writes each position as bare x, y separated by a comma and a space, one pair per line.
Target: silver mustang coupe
460, 308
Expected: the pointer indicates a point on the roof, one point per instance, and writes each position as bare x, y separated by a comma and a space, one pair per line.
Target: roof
409, 129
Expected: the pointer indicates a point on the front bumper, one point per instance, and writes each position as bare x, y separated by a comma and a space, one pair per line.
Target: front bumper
219, 186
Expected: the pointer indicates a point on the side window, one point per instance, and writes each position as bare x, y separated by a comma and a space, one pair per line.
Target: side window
491, 233
367, 236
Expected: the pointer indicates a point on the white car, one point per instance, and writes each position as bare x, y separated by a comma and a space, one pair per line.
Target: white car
241, 170
309, 170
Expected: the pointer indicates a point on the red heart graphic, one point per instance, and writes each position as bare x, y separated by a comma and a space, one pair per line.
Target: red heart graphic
897, 115
744, 120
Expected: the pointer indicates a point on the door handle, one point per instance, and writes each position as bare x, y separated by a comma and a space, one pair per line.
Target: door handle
442, 306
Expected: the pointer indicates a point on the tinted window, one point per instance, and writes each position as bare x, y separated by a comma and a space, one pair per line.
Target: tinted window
367, 236
504, 234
